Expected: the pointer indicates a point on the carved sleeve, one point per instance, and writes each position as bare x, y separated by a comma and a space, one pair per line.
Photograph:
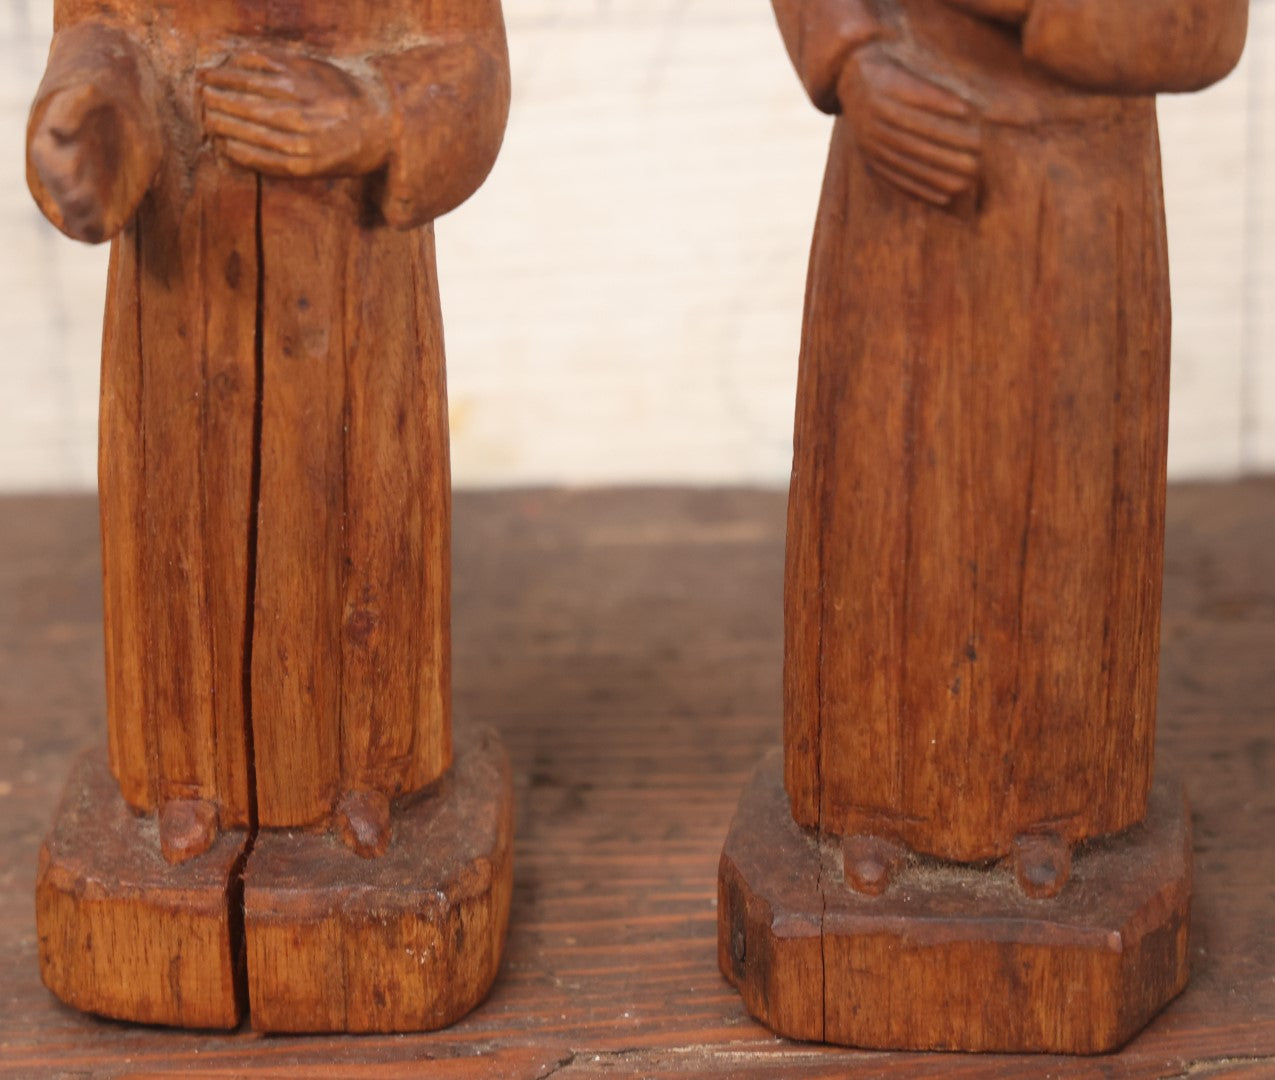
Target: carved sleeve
820, 35
1147, 46
103, 57
449, 101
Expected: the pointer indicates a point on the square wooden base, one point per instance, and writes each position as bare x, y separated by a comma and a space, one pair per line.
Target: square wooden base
410, 941
314, 937
122, 932
950, 957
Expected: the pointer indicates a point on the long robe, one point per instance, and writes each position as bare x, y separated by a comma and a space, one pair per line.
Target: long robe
274, 475
977, 504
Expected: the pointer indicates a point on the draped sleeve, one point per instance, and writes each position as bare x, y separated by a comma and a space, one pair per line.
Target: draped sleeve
449, 100
820, 36
1137, 46
104, 56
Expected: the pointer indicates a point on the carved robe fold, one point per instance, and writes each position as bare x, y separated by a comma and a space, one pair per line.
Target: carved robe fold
274, 453
974, 566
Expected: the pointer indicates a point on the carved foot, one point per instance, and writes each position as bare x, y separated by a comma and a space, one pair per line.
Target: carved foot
871, 863
1042, 864
410, 941
187, 829
363, 822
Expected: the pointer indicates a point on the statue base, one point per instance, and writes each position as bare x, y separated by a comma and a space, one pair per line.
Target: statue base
952, 957
306, 935
122, 932
409, 941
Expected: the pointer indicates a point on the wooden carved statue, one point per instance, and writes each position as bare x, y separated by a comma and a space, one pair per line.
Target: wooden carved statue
275, 499
964, 847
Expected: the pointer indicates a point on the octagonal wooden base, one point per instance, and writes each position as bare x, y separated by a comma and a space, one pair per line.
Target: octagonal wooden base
949, 957
410, 941
122, 932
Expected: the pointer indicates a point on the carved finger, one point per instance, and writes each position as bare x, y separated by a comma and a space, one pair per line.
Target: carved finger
299, 70
260, 60
68, 110
60, 166
943, 157
932, 128
919, 93
82, 206
81, 209
910, 186
949, 183
265, 84
267, 138
268, 112
266, 161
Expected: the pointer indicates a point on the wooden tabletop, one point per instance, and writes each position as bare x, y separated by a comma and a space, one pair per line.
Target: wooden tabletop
626, 643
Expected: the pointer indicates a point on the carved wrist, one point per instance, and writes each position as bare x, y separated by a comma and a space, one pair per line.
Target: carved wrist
378, 127
848, 76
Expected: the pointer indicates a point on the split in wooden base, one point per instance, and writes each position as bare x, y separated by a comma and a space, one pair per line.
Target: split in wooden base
333, 942
410, 941
123, 932
951, 957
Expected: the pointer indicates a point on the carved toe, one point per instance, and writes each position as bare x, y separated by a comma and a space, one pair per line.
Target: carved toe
363, 823
187, 828
870, 863
1042, 864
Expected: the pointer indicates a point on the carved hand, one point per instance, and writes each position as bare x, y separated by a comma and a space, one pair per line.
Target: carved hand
75, 151
1012, 11
285, 114
915, 135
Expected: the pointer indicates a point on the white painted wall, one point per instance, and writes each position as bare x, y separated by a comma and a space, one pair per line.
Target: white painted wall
1258, 390
623, 299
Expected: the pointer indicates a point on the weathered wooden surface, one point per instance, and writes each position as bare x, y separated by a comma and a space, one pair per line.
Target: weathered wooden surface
408, 941
123, 932
626, 645
275, 505
974, 545
952, 957
975, 549
274, 437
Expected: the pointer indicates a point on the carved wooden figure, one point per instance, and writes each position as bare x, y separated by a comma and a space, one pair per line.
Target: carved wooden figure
963, 847
275, 499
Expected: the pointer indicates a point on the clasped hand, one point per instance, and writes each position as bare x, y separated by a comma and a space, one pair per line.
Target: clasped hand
916, 135
286, 114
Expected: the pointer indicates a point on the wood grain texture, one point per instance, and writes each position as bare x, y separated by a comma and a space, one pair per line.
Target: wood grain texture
124, 934
976, 524
296, 630
409, 941
227, 473
951, 957
131, 731
276, 484
176, 630
981, 438
626, 644
274, 453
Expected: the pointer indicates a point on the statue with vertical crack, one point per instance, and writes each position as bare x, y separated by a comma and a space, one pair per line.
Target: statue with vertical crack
961, 846
282, 821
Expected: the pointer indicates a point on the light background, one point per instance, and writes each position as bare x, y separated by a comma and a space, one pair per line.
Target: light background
623, 299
